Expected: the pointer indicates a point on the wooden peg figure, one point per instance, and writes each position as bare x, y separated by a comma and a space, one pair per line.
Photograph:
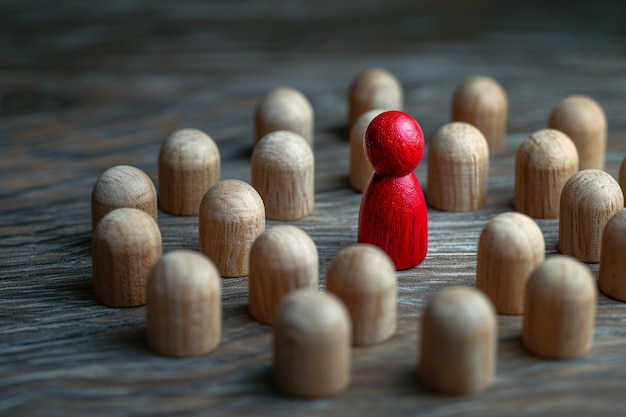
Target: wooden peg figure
125, 245
482, 102
582, 119
122, 186
360, 168
560, 309
588, 200
231, 217
393, 214
374, 88
283, 258
189, 164
283, 173
622, 178
510, 247
284, 108
458, 163
364, 278
459, 333
184, 311
612, 275
311, 357
543, 164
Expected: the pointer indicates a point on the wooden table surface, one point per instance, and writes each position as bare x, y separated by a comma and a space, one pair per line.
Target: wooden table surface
88, 85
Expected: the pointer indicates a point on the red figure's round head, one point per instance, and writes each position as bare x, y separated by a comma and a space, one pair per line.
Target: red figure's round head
394, 143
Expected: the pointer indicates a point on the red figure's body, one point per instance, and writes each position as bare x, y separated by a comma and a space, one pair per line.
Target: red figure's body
393, 212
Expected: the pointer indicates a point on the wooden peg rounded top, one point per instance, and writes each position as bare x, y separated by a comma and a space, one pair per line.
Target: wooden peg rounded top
394, 143
125, 245
282, 259
458, 164
482, 102
543, 164
232, 215
622, 177
189, 164
560, 309
459, 333
284, 108
583, 120
364, 278
360, 168
588, 200
510, 247
122, 186
184, 313
374, 88
311, 345
612, 275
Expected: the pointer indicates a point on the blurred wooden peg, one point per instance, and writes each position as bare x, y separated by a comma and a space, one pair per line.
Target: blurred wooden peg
588, 200
612, 275
482, 102
232, 215
125, 245
282, 259
458, 342
184, 312
364, 278
543, 164
583, 120
284, 108
360, 168
189, 164
311, 345
283, 174
458, 163
374, 88
122, 186
510, 247
559, 312
622, 178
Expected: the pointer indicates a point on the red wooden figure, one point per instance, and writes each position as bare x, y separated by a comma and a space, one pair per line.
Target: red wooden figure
393, 212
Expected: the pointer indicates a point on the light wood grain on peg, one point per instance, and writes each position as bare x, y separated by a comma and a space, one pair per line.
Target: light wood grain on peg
458, 165
311, 346
284, 108
612, 275
374, 88
189, 164
122, 186
482, 102
583, 120
125, 245
360, 168
559, 312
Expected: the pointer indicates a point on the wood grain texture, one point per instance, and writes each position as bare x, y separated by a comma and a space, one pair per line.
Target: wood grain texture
85, 88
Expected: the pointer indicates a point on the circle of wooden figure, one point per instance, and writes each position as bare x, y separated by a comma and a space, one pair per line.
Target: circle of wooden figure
458, 164
189, 164
364, 278
284, 108
582, 119
374, 88
543, 164
622, 177
393, 213
184, 310
311, 345
283, 174
612, 275
125, 245
588, 200
459, 333
510, 247
283, 258
122, 186
482, 102
360, 168
231, 217
560, 309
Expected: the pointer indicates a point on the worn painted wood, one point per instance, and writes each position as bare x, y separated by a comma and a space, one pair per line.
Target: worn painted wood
85, 88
